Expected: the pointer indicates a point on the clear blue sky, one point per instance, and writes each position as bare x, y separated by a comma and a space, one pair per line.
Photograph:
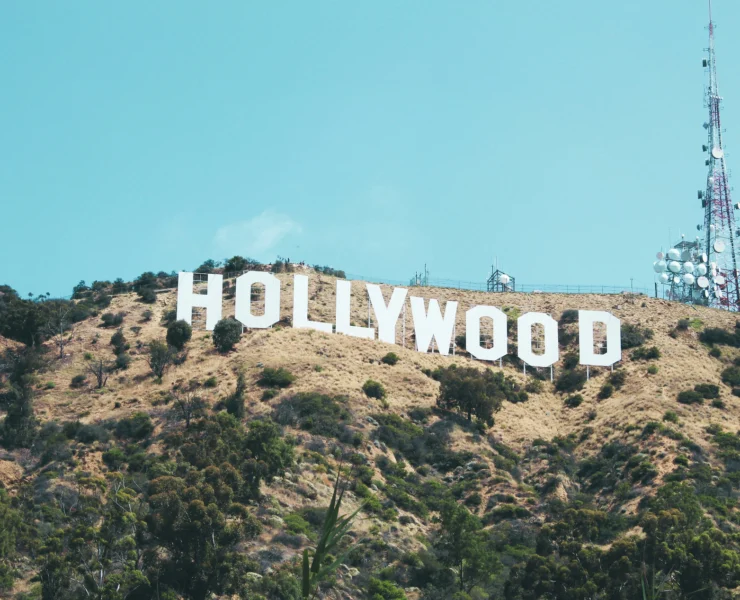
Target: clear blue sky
563, 137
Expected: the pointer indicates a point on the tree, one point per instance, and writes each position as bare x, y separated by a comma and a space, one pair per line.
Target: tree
100, 369
59, 327
179, 334
226, 334
235, 402
189, 407
18, 430
475, 393
235, 263
118, 341
462, 545
160, 358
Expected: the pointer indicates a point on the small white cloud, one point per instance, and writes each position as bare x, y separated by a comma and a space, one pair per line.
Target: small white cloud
254, 237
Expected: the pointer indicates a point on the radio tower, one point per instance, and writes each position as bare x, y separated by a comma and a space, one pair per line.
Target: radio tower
723, 289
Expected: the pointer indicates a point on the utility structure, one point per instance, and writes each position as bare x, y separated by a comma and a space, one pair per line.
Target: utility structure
500, 282
705, 271
719, 213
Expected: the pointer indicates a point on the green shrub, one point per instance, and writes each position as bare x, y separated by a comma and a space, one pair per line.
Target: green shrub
390, 359
731, 376
169, 317
316, 413
226, 334
652, 369
652, 353
690, 397
118, 341
716, 335
179, 334
138, 426
606, 391
633, 335
147, 295
618, 379
570, 361
78, 381
715, 353
276, 378
534, 386
269, 394
380, 589
573, 401
122, 362
50, 385
717, 403
211, 382
707, 390
683, 324
112, 320
373, 389
570, 381
569, 316
670, 416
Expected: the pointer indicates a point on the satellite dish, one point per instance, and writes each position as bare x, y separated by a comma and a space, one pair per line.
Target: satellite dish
711, 180
701, 269
676, 279
718, 153
706, 293
674, 254
720, 280
505, 279
659, 266
719, 294
688, 267
674, 267
702, 282
712, 228
704, 258
688, 279
719, 246
660, 256
664, 277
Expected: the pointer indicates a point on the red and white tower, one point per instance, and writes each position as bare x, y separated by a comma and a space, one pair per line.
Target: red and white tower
721, 288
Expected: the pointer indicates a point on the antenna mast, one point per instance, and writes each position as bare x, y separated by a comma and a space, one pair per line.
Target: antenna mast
723, 289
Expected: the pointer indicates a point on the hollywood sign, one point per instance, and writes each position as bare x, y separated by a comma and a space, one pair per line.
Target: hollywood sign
431, 325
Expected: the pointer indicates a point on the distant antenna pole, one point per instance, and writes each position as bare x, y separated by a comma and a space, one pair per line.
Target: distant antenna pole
719, 212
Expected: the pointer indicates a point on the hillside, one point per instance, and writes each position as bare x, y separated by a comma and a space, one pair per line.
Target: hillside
563, 499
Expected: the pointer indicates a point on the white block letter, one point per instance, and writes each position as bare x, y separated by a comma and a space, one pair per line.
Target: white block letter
187, 300
524, 339
586, 320
472, 333
243, 305
300, 306
344, 300
433, 324
386, 316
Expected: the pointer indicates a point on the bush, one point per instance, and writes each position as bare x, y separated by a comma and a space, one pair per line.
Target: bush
276, 378
138, 426
534, 386
690, 397
716, 335
269, 394
318, 414
708, 391
717, 403
606, 391
160, 358
123, 361
179, 334
169, 317
147, 295
569, 316
670, 416
211, 382
390, 359
731, 376
111, 320
633, 335
715, 353
226, 334
573, 401
118, 341
571, 381
570, 361
78, 381
652, 353
617, 379
683, 324
652, 369
373, 389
